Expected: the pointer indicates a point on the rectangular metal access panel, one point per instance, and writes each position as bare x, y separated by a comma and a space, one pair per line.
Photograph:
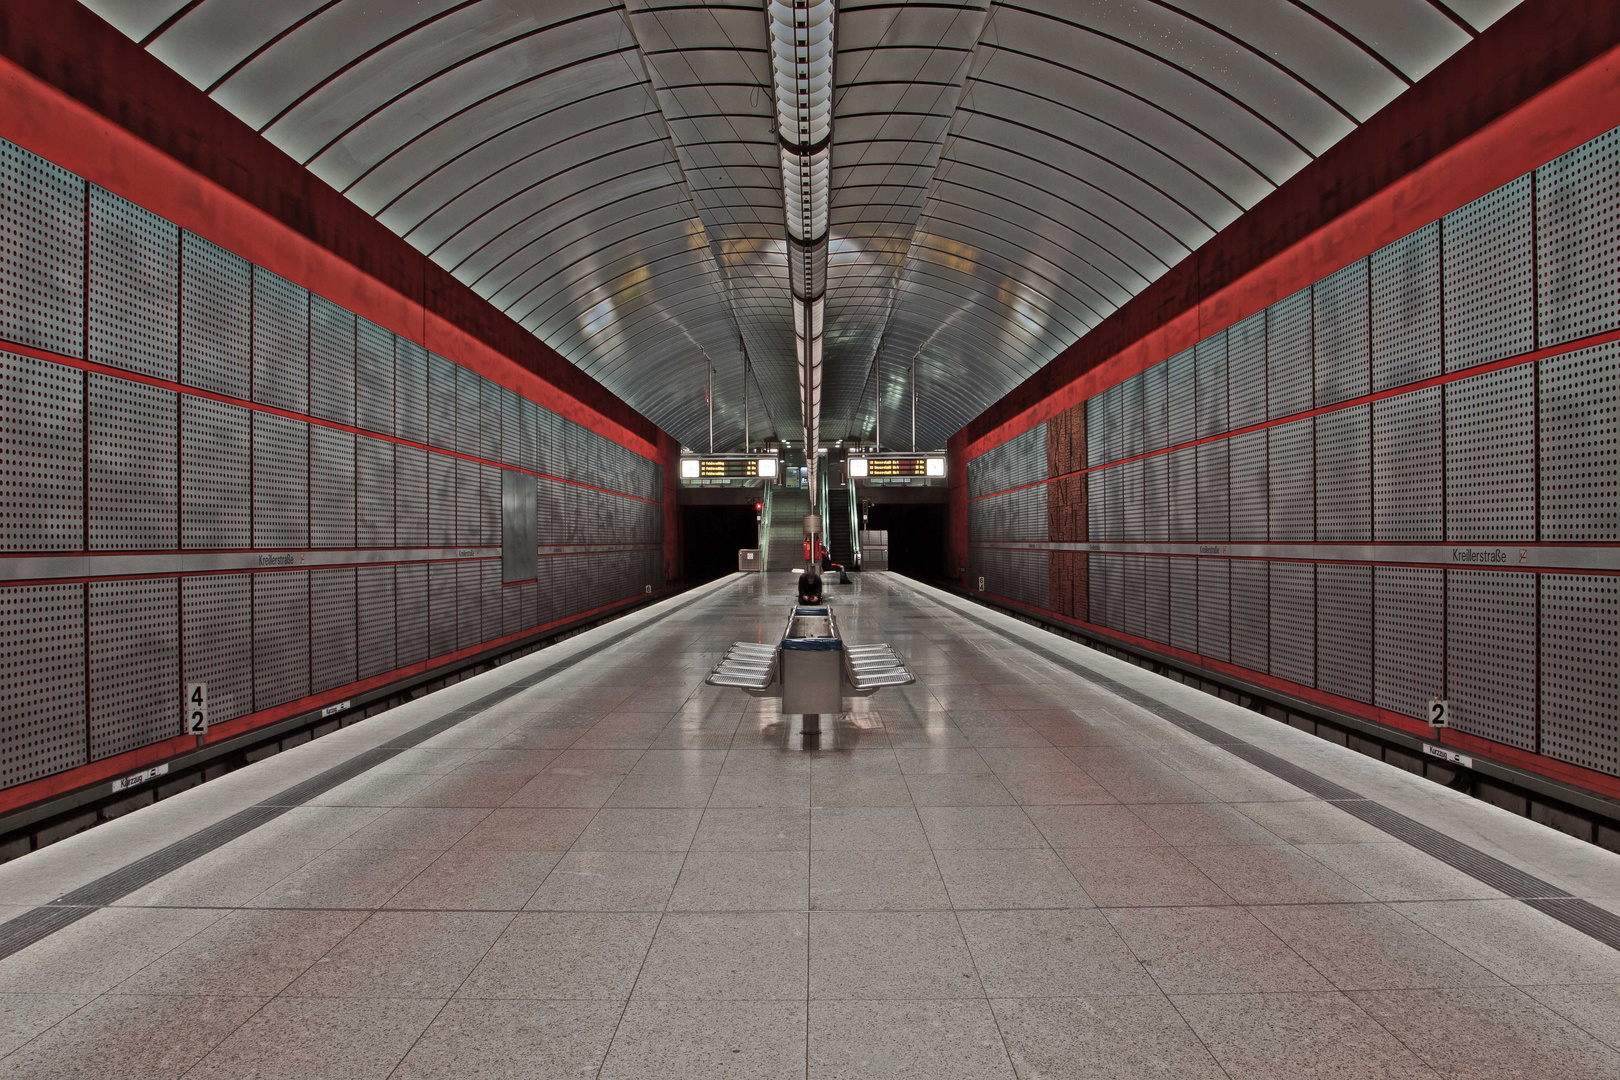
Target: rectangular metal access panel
520, 548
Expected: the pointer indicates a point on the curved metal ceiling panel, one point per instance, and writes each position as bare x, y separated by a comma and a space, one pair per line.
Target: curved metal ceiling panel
609, 173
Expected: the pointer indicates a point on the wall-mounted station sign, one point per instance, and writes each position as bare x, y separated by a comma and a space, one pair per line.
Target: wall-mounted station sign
731, 467
887, 466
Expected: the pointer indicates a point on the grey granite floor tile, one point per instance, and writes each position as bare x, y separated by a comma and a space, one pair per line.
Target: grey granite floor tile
1141, 877
101, 950
1051, 954
1516, 942
726, 956
527, 829
564, 955
1298, 1037
1099, 1037
979, 827
1370, 947
245, 954
609, 881
640, 830
876, 881
416, 828
707, 1040
743, 881
860, 790
131, 1037
1397, 871
479, 879
741, 829
874, 828
405, 954
22, 1016
346, 879
320, 1039
891, 954
1028, 878
906, 1040
513, 1040
1594, 1009
1093, 827
1256, 874
1212, 950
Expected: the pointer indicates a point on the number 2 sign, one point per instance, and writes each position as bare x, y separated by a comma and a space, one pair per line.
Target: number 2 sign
196, 708
1439, 713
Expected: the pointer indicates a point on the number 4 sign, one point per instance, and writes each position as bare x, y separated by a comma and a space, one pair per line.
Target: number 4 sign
1439, 713
196, 708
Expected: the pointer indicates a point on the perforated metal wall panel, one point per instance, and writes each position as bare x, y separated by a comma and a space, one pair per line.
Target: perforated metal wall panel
1490, 456
1155, 407
41, 253
331, 488
1113, 422
1181, 407
1409, 467
469, 603
1209, 380
412, 619
133, 472
215, 511
1293, 622
1491, 654
374, 378
1184, 604
1156, 498
1291, 470
280, 637
1410, 643
442, 606
1100, 576
469, 499
441, 479
1340, 328
1344, 630
492, 605
1096, 504
1344, 475
492, 420
41, 455
410, 390
1489, 277
42, 691
1130, 408
333, 644
331, 361
1580, 670
280, 342
1246, 371
133, 263
1213, 494
1133, 590
441, 402
216, 326
134, 664
1290, 373
489, 505
217, 614
1132, 519
1156, 593
374, 493
1182, 467
1251, 637
1580, 448
280, 482
528, 435
511, 427
1406, 329
469, 410
1249, 487
1578, 241
512, 612
374, 620
1215, 608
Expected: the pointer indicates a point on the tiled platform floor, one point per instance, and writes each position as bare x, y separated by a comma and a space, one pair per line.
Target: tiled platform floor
999, 872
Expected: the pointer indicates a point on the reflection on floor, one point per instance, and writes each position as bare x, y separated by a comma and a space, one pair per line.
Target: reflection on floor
999, 871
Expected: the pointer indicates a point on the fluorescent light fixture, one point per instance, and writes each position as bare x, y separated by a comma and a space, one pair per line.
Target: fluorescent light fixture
936, 466
857, 468
689, 468
767, 468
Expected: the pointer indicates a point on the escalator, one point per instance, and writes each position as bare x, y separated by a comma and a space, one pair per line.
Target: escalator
840, 546
784, 540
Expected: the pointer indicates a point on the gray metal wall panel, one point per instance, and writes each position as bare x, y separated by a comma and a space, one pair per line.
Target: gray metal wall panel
1580, 453
413, 620
469, 603
374, 493
441, 478
1113, 503
1215, 608
442, 606
1251, 620
411, 496
1340, 329
528, 435
491, 419
280, 637
511, 427
133, 294
133, 481
1214, 479
1344, 475
1406, 326
1344, 629
1291, 471
1489, 277
374, 620
1114, 592
441, 402
41, 253
1133, 587
41, 455
1156, 592
333, 645
1182, 397
1156, 407
469, 412
1409, 467
1182, 468
280, 342
1491, 456
1249, 487
513, 616
1290, 378
1156, 498
1292, 588
1580, 670
1131, 416
1210, 386
469, 503
1096, 504
1410, 640
1491, 654
331, 488
374, 378
1113, 423
489, 505
1578, 241
215, 494
134, 646
1246, 371
1132, 493
216, 321
410, 390
280, 482
490, 601
42, 691
1184, 604
217, 613
331, 361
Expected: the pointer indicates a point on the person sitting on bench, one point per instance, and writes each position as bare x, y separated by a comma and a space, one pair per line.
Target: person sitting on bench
810, 587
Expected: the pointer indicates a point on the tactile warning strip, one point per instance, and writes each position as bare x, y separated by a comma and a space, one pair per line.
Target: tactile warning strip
39, 923
1588, 918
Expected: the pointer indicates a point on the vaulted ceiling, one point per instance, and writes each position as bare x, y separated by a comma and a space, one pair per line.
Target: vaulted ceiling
1004, 175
